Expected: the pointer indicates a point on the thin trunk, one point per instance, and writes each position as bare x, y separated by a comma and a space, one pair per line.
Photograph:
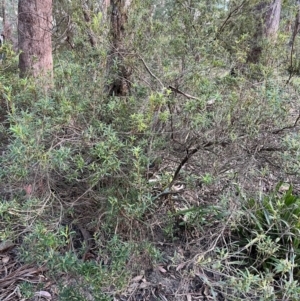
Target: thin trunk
296, 25
293, 68
3, 13
121, 77
35, 44
8, 31
87, 18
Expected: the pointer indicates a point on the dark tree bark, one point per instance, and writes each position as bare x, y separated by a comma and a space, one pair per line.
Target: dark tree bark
121, 78
34, 35
87, 18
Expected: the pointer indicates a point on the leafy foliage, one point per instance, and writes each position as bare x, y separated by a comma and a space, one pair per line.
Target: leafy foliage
275, 222
177, 178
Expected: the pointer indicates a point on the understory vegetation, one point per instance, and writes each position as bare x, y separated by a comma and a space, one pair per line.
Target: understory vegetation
186, 188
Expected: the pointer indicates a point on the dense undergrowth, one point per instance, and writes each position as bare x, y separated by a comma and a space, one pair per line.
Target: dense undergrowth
199, 188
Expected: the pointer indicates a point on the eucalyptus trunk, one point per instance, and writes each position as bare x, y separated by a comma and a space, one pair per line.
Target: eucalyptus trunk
34, 38
120, 76
266, 28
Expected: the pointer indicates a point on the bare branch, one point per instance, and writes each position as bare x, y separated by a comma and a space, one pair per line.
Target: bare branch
183, 93
152, 74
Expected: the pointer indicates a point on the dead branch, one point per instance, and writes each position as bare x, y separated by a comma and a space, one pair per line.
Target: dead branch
183, 93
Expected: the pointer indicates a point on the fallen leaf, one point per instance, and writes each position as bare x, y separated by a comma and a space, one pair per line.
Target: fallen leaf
43, 294
145, 284
5, 259
180, 266
161, 269
211, 101
137, 278
133, 287
206, 290
28, 189
284, 187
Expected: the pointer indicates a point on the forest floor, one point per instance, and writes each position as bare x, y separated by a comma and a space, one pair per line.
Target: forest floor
182, 267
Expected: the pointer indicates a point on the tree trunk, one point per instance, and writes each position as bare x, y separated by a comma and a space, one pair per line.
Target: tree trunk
3, 6
272, 18
9, 30
34, 34
296, 25
120, 85
266, 29
87, 18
